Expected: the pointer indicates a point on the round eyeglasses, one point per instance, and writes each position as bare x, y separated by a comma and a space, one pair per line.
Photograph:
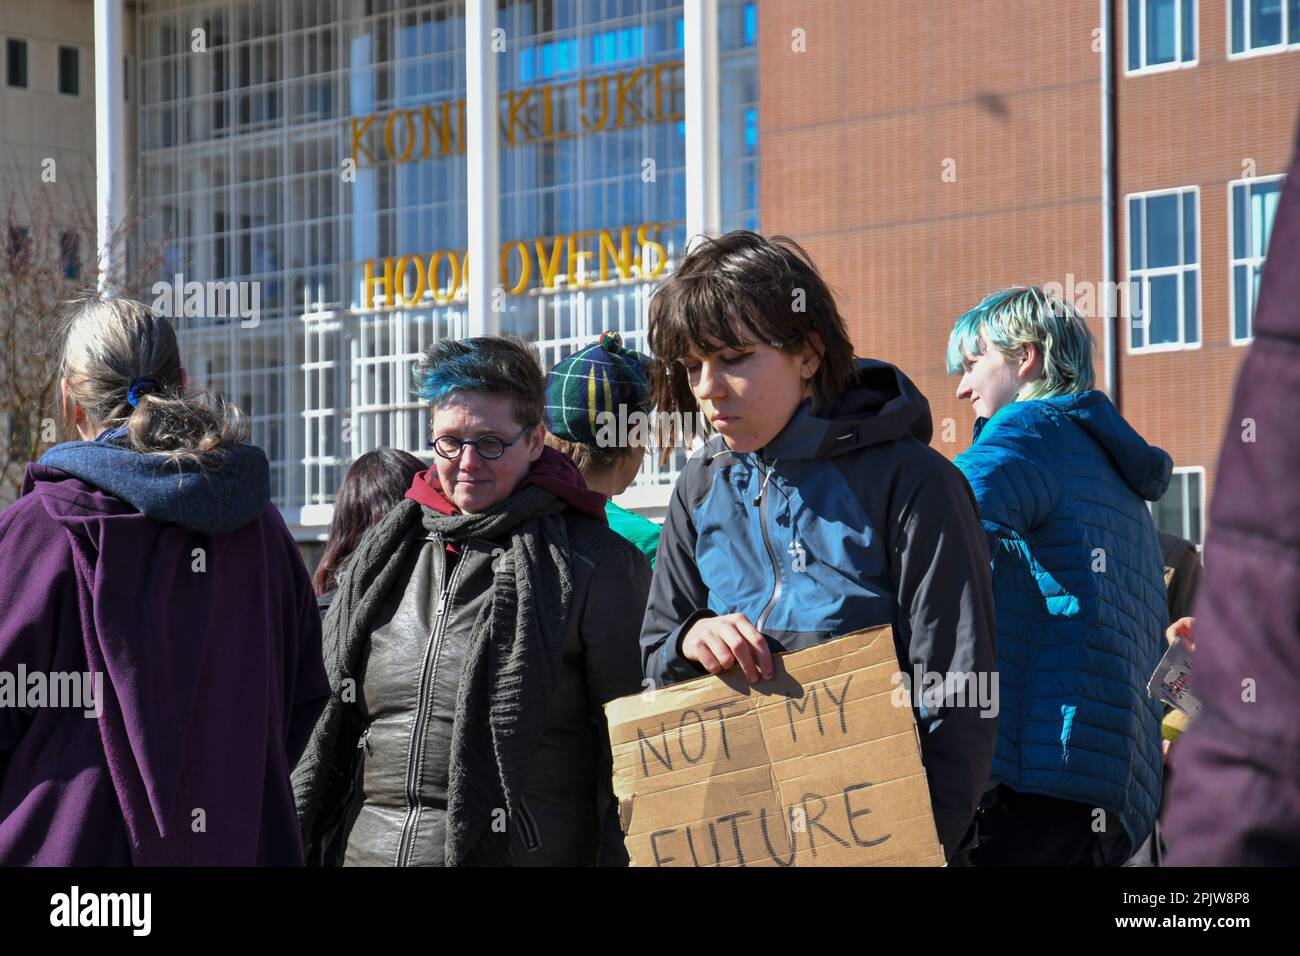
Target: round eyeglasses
489, 446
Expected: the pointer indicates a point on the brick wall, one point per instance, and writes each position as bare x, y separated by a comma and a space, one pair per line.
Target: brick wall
1004, 97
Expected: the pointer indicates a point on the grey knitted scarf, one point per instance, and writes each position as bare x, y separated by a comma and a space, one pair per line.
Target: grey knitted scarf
509, 670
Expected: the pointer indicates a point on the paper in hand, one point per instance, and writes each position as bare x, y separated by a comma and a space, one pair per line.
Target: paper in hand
1169, 682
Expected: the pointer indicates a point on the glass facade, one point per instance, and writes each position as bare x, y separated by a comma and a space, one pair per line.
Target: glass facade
317, 149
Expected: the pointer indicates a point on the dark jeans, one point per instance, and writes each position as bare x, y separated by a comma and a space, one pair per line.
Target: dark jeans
1027, 829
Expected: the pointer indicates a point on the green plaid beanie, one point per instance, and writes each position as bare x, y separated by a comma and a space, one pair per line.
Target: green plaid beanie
600, 378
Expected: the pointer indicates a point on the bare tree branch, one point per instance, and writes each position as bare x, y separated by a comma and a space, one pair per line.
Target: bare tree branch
37, 280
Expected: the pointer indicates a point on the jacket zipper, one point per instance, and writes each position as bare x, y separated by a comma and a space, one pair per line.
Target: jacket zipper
327, 852
431, 654
771, 552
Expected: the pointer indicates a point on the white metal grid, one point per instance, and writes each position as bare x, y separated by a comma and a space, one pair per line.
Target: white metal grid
241, 154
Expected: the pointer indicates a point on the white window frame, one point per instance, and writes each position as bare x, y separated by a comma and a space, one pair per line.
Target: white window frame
1145, 274
1247, 52
1200, 504
1178, 63
1255, 262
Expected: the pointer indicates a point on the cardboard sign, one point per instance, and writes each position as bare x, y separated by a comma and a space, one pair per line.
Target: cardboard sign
819, 766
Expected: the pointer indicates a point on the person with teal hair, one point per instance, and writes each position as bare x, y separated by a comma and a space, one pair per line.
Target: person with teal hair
1061, 480
1045, 340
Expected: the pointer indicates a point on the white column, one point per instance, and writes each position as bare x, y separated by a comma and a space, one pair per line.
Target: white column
703, 194
481, 119
110, 134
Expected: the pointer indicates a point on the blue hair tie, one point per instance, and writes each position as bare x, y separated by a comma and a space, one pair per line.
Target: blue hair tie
139, 387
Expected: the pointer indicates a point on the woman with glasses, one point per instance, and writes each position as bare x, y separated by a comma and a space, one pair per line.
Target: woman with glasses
474, 638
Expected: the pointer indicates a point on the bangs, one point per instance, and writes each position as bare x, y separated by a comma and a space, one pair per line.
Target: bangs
700, 316
991, 312
493, 365
737, 291
964, 340
460, 373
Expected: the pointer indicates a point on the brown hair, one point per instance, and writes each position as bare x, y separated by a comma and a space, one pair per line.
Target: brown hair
590, 458
744, 283
375, 484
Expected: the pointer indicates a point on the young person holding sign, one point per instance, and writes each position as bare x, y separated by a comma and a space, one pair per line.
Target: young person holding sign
818, 509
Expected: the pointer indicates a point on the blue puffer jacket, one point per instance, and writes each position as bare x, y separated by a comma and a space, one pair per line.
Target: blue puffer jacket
1079, 590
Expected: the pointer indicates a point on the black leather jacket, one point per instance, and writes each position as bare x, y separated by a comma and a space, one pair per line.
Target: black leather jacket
398, 740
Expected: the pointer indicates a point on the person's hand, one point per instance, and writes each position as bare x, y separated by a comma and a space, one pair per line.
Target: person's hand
1181, 628
720, 643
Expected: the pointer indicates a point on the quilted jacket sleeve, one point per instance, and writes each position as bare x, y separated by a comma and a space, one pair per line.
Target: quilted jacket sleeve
1014, 485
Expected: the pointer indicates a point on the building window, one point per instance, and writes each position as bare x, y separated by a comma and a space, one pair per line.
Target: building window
1181, 509
1164, 269
1263, 25
70, 70
16, 62
1161, 34
70, 255
1252, 206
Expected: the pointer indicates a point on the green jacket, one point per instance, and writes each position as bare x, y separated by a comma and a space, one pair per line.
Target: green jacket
642, 532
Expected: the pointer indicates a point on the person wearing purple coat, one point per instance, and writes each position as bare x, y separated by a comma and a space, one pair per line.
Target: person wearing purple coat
1235, 798
160, 656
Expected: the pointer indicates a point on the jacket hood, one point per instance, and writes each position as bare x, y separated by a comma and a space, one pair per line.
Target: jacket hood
1144, 467
554, 472
880, 405
191, 663
229, 490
